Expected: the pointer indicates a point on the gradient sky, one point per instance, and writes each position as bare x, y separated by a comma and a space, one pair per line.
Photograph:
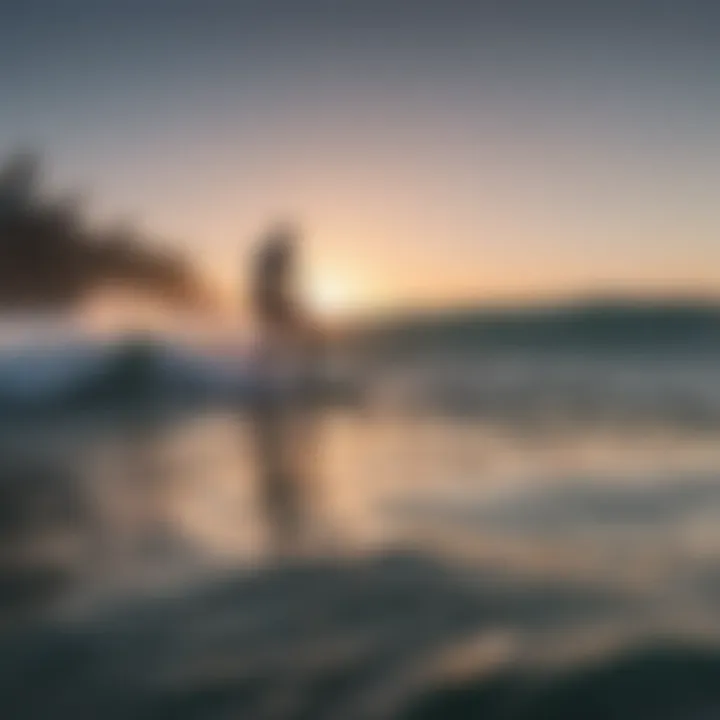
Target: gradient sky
433, 151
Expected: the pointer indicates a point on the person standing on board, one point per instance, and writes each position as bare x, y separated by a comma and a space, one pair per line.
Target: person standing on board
283, 422
289, 340
274, 289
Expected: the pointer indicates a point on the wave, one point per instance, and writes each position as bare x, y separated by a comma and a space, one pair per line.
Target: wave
90, 373
400, 636
80, 373
596, 327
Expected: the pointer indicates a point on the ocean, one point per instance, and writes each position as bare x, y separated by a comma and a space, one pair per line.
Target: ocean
518, 526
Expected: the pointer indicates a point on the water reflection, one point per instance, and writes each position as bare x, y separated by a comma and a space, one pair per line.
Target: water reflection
113, 500
138, 495
285, 433
516, 550
45, 524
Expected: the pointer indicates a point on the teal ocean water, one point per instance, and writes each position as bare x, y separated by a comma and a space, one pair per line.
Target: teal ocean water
522, 532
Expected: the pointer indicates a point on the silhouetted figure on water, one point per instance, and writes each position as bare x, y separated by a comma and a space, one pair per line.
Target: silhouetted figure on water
274, 288
288, 336
287, 357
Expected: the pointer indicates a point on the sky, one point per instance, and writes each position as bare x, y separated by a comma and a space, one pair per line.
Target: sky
433, 152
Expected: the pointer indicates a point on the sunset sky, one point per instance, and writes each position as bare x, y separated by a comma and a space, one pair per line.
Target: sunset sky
433, 152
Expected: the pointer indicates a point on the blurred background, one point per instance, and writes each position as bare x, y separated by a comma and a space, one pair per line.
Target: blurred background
497, 492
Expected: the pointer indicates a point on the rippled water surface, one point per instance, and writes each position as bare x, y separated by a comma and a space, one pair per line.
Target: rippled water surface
470, 528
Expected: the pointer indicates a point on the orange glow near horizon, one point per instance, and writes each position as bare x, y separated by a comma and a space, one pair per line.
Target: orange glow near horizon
332, 296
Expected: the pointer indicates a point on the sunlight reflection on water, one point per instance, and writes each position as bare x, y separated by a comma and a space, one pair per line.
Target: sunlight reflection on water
418, 543
144, 496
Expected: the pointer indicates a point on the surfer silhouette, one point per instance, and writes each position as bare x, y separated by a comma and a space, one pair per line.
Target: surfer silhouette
274, 283
283, 420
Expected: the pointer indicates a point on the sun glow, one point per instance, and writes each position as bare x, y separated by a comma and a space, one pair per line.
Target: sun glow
331, 296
